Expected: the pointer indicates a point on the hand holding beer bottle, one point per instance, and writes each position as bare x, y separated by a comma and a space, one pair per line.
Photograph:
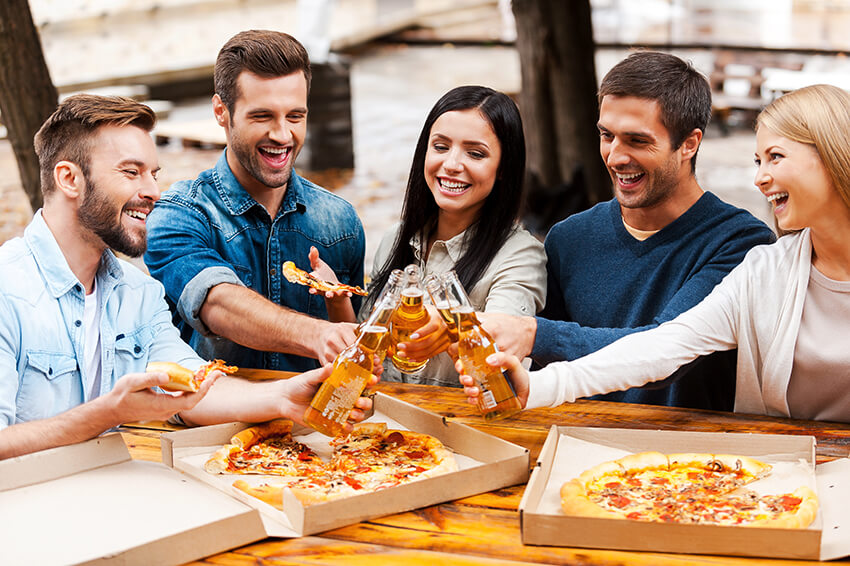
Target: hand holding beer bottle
497, 399
352, 371
409, 316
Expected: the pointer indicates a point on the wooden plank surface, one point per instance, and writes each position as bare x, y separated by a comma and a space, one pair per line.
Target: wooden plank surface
484, 529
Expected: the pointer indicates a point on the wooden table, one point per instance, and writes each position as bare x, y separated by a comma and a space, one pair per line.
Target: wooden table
484, 529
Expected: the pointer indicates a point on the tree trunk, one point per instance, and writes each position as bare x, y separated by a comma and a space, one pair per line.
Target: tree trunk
564, 172
27, 95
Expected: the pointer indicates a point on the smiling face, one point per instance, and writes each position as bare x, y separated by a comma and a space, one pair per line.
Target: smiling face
636, 149
792, 177
266, 130
120, 189
462, 164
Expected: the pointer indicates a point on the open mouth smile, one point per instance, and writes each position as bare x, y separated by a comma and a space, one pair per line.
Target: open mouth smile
453, 187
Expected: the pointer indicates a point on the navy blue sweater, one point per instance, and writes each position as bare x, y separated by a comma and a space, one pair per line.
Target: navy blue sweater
604, 284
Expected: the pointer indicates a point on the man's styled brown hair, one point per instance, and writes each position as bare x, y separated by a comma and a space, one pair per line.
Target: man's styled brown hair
681, 91
68, 133
268, 54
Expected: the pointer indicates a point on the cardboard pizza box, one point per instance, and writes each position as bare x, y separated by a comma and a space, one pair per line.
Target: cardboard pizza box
91, 503
570, 450
485, 463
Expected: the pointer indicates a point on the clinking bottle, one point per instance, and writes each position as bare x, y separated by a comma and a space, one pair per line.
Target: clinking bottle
392, 289
497, 399
408, 317
352, 369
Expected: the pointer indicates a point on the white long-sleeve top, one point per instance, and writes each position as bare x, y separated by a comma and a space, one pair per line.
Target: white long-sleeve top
757, 307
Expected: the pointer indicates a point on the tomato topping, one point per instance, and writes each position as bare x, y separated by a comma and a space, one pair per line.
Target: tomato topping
634, 515
620, 501
612, 484
634, 482
789, 502
415, 455
305, 455
660, 481
352, 482
667, 518
362, 469
693, 475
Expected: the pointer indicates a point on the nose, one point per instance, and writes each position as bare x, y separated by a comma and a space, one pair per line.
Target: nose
453, 161
763, 178
280, 132
617, 156
150, 189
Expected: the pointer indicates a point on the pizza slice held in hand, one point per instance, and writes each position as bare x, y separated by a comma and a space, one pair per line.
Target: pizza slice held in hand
184, 379
295, 275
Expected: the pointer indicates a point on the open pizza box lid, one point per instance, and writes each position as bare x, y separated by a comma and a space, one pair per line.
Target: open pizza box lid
568, 451
485, 463
90, 503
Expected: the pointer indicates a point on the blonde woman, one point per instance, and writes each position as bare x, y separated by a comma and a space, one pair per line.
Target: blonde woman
786, 307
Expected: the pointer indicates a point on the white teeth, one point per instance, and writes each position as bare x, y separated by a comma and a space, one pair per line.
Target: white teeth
628, 178
136, 214
776, 196
453, 186
276, 150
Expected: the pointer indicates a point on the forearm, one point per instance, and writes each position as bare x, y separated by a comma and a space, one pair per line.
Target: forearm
75, 425
558, 340
247, 318
233, 399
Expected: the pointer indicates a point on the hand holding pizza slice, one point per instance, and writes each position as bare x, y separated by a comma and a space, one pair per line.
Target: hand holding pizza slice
184, 379
295, 275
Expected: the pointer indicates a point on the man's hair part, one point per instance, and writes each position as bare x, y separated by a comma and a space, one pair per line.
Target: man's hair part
68, 133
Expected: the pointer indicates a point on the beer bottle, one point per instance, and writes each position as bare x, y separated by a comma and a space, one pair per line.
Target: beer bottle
497, 399
439, 296
352, 369
408, 317
391, 290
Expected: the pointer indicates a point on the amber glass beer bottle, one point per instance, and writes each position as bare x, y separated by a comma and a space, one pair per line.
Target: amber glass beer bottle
352, 369
439, 297
408, 317
497, 399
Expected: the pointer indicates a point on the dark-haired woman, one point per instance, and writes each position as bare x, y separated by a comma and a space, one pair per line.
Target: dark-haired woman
463, 199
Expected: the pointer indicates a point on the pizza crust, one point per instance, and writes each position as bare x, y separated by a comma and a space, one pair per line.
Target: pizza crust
252, 435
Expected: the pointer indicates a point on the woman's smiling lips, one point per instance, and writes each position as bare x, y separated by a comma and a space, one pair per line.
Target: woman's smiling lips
452, 186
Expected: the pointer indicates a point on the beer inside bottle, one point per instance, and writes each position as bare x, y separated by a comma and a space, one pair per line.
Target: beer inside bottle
497, 399
409, 316
449, 318
353, 367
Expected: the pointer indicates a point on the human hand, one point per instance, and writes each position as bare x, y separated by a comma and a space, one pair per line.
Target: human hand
429, 339
324, 272
299, 390
516, 373
513, 334
133, 399
333, 339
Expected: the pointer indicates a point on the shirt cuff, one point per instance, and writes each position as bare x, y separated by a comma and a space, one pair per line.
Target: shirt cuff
543, 388
195, 293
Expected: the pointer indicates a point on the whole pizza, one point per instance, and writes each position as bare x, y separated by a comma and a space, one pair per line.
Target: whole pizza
370, 458
686, 488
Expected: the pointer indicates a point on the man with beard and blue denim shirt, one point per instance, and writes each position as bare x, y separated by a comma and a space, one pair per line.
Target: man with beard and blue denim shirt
218, 243
78, 326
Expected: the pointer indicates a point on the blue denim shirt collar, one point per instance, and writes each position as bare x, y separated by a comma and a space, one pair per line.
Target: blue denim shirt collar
237, 200
51, 261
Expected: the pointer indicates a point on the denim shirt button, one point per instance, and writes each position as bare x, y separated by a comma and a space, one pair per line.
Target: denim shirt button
273, 272
78, 323
137, 349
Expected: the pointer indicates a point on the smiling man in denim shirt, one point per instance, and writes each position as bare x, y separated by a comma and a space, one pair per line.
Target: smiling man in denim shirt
217, 243
77, 325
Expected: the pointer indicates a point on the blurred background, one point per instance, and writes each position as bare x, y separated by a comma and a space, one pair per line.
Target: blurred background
381, 64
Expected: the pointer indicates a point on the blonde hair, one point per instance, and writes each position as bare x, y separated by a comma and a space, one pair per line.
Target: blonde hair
819, 116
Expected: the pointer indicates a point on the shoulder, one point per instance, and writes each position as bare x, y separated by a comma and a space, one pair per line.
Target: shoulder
720, 213
328, 201
134, 278
521, 242
19, 268
585, 220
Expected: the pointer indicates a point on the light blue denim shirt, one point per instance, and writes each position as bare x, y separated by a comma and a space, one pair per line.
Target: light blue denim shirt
42, 334
210, 231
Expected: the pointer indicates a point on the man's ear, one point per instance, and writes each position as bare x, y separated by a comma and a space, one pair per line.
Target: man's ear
69, 179
222, 116
690, 146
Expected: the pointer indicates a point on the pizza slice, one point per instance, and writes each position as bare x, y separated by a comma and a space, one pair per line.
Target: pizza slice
295, 275
183, 379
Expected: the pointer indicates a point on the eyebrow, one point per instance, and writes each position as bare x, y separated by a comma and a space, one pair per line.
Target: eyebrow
467, 143
636, 134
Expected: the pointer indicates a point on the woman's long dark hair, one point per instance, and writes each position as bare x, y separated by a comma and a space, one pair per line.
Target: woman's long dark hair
501, 209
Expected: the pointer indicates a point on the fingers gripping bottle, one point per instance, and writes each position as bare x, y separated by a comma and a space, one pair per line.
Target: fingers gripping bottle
497, 399
352, 369
408, 317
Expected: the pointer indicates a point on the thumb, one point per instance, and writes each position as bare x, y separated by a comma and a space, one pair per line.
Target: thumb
140, 381
315, 262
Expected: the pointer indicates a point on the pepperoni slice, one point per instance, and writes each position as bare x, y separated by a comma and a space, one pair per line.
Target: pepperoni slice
352, 482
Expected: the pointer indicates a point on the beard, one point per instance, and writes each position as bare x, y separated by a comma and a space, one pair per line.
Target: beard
246, 154
661, 185
97, 214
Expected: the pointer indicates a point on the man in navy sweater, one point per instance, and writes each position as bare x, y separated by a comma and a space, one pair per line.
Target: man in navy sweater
655, 250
